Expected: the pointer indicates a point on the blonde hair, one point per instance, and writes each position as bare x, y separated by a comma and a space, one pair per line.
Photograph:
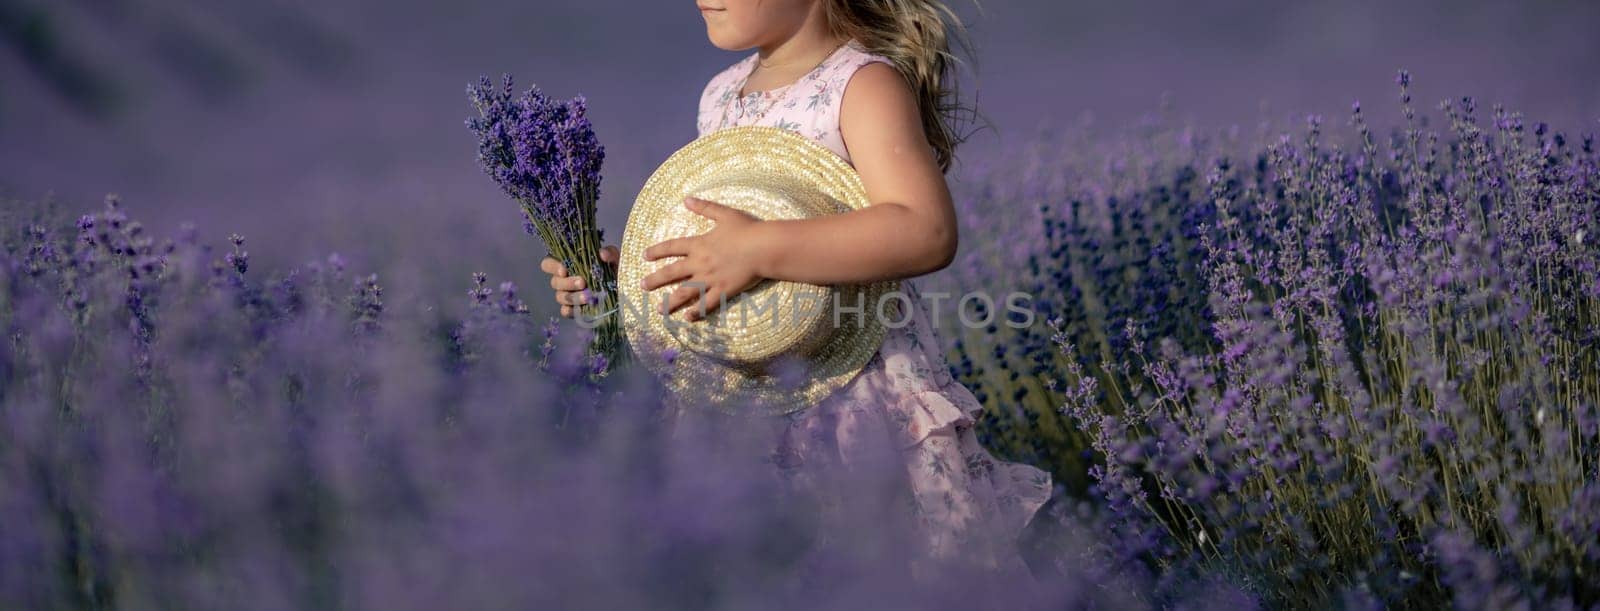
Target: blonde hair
915, 35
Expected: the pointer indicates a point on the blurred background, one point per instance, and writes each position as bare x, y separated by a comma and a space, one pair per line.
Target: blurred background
325, 126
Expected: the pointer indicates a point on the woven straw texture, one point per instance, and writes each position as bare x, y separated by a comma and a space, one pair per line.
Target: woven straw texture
780, 346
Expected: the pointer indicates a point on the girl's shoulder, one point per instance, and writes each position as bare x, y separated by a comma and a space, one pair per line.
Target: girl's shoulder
855, 55
842, 68
850, 58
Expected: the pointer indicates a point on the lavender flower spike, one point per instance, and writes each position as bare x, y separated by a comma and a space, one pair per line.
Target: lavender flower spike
544, 154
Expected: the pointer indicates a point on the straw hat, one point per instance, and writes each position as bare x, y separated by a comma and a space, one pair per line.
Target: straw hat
780, 346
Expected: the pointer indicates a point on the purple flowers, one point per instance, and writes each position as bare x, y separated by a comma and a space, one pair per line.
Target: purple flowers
1331, 366
1343, 365
544, 154
199, 434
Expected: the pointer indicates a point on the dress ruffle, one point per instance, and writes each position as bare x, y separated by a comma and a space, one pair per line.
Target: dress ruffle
941, 427
922, 413
969, 504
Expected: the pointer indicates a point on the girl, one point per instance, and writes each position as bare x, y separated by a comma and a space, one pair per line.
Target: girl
865, 78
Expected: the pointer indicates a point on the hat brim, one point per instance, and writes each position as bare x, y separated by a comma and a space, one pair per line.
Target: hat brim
658, 214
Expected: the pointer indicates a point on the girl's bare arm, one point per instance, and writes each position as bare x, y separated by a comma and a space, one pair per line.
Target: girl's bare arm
909, 230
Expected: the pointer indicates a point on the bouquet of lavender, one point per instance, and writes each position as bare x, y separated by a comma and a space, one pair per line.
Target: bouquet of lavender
544, 153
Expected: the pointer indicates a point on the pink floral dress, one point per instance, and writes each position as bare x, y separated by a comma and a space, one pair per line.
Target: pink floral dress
966, 501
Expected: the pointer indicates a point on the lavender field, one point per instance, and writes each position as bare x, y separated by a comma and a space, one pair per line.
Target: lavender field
1343, 368
1346, 359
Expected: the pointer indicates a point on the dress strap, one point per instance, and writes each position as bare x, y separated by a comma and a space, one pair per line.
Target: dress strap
810, 106
824, 98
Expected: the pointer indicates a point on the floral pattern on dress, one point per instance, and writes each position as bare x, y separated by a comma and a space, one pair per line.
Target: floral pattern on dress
809, 106
964, 499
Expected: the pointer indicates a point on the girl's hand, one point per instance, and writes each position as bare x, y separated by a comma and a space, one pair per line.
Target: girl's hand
570, 290
717, 264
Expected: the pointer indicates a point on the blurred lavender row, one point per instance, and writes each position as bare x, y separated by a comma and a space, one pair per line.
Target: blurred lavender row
180, 430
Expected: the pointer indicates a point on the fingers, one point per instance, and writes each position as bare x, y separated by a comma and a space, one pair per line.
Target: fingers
549, 265
574, 297
553, 267
683, 295
570, 289
707, 306
567, 283
559, 280
675, 247
698, 297
678, 270
709, 209
569, 301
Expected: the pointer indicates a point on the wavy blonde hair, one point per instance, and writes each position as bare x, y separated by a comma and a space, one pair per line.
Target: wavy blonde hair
916, 36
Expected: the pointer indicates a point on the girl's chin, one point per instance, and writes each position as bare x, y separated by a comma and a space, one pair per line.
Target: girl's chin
722, 41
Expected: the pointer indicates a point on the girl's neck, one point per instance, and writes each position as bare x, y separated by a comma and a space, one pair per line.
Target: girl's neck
802, 49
